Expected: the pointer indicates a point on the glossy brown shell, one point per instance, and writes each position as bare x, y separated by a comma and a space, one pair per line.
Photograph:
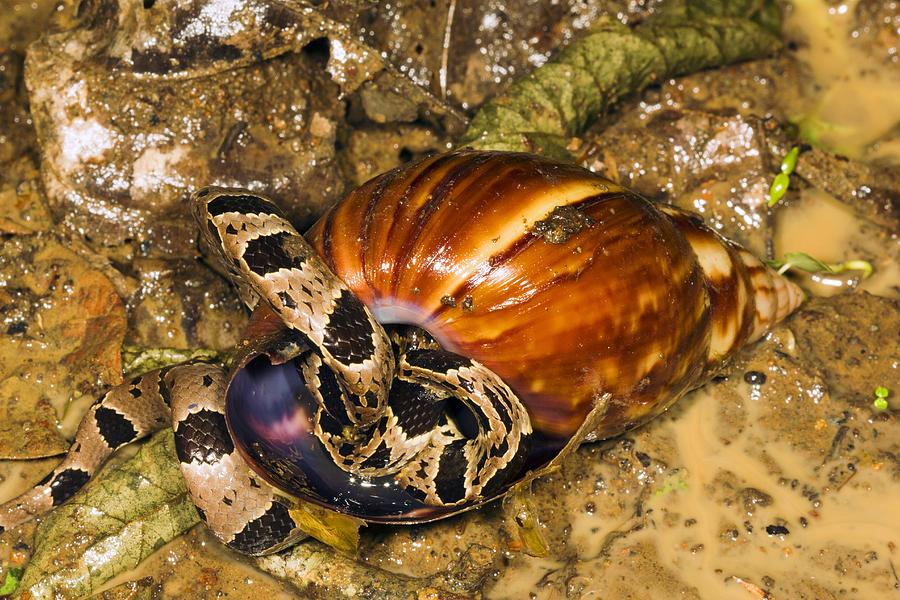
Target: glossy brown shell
565, 304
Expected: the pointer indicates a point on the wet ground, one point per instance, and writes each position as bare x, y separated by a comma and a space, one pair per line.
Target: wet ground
779, 479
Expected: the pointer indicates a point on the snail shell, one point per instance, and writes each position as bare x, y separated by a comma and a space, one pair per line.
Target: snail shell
565, 284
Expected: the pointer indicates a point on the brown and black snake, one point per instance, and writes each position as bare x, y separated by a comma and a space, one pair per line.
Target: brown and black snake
380, 404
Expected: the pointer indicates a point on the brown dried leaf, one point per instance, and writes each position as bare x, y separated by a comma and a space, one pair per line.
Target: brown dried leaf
22, 207
63, 326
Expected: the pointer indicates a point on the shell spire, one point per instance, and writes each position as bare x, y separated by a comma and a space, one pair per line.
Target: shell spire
747, 298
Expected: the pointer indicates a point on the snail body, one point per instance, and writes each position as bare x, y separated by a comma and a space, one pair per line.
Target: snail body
520, 296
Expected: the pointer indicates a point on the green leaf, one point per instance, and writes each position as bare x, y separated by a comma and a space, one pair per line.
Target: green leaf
121, 516
805, 262
799, 260
11, 582
779, 187
790, 160
542, 111
881, 395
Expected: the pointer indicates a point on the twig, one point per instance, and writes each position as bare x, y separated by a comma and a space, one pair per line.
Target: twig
846, 481
445, 51
836, 443
894, 573
750, 587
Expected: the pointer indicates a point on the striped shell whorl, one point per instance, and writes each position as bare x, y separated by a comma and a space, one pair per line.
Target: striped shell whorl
565, 284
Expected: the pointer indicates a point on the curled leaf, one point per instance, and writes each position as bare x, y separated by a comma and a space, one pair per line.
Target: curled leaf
799, 260
805, 262
527, 523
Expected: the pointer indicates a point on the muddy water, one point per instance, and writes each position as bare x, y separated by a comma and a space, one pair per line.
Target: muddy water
819, 225
851, 100
698, 540
705, 454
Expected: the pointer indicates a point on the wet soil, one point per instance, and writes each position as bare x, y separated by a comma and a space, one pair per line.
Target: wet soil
778, 479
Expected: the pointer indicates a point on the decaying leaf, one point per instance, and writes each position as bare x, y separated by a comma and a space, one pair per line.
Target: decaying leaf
337, 530
63, 326
543, 110
136, 361
112, 525
22, 207
518, 506
315, 567
193, 562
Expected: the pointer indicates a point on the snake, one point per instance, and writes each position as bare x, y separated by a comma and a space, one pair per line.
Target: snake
388, 403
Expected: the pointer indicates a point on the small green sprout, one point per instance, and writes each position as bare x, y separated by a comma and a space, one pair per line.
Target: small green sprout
783, 179
881, 394
805, 262
799, 260
779, 187
12, 581
855, 265
790, 160
672, 483
824, 134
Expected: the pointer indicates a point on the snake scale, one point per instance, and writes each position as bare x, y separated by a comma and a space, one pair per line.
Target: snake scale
444, 426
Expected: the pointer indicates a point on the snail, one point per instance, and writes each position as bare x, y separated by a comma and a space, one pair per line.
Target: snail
440, 334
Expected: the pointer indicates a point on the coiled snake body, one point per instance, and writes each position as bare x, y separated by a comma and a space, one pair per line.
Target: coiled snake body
382, 402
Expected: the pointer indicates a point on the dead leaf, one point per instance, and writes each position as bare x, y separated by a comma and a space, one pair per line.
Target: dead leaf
120, 518
22, 206
63, 326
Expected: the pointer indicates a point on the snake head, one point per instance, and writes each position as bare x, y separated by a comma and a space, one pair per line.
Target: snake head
218, 211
